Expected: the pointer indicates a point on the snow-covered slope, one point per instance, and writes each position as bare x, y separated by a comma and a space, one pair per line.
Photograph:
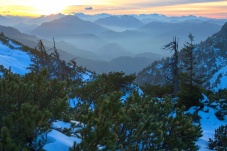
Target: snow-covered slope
209, 122
11, 56
211, 60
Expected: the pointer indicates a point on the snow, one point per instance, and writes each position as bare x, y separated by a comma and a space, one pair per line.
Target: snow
159, 66
58, 141
73, 102
60, 125
14, 45
220, 61
223, 82
209, 122
87, 76
192, 110
124, 97
15, 59
149, 71
223, 79
128, 93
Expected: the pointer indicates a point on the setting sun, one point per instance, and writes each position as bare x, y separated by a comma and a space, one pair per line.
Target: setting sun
48, 7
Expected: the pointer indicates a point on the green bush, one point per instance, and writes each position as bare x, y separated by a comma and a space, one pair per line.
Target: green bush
157, 90
140, 123
219, 142
28, 106
189, 96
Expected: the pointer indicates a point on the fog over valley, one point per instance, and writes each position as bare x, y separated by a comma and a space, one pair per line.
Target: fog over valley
105, 42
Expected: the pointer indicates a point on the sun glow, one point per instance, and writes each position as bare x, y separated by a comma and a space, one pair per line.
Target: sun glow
46, 10
37, 7
48, 7
52, 6
208, 8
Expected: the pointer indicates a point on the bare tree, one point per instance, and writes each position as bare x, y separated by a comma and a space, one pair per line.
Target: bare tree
173, 74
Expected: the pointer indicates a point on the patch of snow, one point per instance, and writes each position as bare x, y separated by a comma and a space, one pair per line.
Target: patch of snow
223, 80
149, 71
209, 122
15, 59
58, 141
87, 76
61, 124
127, 94
14, 45
205, 99
73, 102
124, 97
159, 66
223, 83
192, 110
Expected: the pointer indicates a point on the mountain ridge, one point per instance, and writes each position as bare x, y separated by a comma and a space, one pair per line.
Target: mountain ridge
64, 25
120, 21
211, 58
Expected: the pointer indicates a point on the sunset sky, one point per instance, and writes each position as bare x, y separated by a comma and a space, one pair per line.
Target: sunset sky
206, 8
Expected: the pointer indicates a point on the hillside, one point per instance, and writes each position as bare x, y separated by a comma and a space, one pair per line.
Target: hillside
210, 56
11, 57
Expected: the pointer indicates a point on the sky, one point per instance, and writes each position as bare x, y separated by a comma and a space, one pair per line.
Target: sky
34, 8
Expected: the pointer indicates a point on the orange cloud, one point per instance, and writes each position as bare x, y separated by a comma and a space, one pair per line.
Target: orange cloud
209, 8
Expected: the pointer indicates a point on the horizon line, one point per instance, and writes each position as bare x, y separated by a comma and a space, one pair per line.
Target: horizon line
119, 14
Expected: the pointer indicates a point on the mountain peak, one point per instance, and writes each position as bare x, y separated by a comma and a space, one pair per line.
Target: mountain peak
223, 32
70, 18
224, 28
120, 21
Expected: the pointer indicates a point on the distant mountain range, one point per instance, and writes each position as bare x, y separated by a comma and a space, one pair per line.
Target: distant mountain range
126, 21
211, 59
91, 17
104, 38
152, 36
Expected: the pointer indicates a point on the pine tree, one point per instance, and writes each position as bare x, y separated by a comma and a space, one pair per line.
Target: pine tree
189, 63
190, 83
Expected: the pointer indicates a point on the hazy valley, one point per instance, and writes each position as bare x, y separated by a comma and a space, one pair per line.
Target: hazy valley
103, 42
